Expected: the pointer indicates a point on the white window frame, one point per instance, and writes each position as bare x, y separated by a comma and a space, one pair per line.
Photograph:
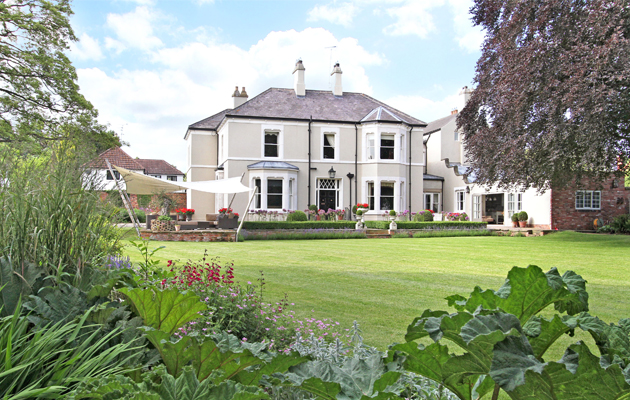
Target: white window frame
370, 149
476, 207
403, 149
380, 195
291, 194
460, 202
261, 200
330, 131
372, 205
434, 199
589, 199
281, 194
276, 129
380, 142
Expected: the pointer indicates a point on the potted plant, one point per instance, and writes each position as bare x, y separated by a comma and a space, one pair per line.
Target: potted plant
515, 220
163, 223
181, 214
392, 215
227, 219
522, 219
392, 218
360, 224
363, 207
189, 213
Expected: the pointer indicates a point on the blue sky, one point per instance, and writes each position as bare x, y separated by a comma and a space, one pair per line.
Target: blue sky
154, 67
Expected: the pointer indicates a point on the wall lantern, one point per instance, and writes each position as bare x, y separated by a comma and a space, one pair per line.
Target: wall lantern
467, 189
331, 173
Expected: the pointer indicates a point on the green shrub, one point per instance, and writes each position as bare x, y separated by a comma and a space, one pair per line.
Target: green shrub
392, 213
423, 216
453, 233
522, 216
309, 234
163, 218
515, 217
428, 225
621, 224
52, 213
297, 216
312, 207
253, 225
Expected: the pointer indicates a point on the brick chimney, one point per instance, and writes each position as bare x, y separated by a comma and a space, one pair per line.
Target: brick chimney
454, 111
337, 90
298, 79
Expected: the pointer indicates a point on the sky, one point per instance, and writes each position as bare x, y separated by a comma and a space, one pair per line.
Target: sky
154, 67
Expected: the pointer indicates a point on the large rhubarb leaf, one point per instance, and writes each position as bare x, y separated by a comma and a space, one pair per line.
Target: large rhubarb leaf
165, 310
578, 375
355, 379
527, 291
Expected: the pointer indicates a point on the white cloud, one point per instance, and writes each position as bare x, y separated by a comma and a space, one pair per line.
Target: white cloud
469, 37
426, 109
133, 30
412, 18
341, 14
193, 81
87, 48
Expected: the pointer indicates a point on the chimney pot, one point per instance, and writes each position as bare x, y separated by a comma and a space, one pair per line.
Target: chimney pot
298, 80
239, 97
337, 90
454, 111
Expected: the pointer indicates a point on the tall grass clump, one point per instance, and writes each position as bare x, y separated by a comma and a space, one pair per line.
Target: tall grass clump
52, 216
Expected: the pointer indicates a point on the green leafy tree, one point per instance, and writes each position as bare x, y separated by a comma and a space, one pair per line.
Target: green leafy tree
552, 95
39, 96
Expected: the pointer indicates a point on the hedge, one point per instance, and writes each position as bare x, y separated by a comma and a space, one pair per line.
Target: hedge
428, 225
253, 225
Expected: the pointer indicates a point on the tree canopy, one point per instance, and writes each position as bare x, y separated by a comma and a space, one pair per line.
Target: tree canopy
39, 95
552, 98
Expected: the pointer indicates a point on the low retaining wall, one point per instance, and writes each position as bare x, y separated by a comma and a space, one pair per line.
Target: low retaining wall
214, 235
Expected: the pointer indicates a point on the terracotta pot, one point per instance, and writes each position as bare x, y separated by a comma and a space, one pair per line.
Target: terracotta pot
522, 224
177, 228
340, 217
319, 218
515, 224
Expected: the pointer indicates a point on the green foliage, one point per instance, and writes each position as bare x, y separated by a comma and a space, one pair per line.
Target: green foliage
503, 341
392, 213
297, 216
49, 362
428, 225
453, 233
423, 216
40, 102
312, 207
52, 216
359, 213
149, 263
252, 225
163, 218
160, 385
15, 286
515, 217
621, 224
522, 216
311, 234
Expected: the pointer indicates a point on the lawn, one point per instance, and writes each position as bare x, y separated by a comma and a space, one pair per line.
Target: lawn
385, 283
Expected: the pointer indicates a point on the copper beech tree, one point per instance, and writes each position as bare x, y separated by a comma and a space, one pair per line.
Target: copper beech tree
551, 103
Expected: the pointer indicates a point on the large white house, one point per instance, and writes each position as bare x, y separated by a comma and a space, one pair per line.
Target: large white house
300, 147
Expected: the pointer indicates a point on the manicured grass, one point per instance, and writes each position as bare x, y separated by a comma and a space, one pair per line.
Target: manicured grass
385, 283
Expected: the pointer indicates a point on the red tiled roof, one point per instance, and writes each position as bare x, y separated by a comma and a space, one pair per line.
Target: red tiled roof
118, 157
160, 167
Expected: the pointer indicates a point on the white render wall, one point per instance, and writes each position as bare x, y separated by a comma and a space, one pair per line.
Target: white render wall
241, 143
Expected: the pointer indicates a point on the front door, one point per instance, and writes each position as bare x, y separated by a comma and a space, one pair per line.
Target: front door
327, 199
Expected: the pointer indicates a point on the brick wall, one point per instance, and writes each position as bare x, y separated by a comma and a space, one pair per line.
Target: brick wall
189, 236
180, 199
615, 201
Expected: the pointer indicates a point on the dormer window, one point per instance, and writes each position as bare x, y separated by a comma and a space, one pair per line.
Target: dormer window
271, 144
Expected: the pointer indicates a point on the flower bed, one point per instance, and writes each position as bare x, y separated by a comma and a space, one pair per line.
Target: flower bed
269, 225
438, 225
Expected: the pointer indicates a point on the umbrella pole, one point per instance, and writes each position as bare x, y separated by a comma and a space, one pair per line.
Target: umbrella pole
125, 199
238, 231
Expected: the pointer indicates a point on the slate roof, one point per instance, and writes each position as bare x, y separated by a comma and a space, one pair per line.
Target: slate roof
429, 177
438, 124
272, 165
118, 157
322, 105
158, 167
